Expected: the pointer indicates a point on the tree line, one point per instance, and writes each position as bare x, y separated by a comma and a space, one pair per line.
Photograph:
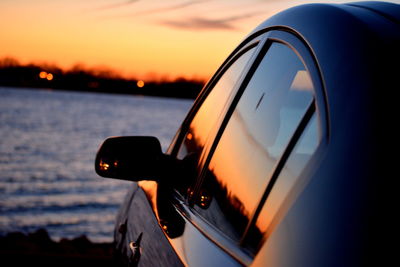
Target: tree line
79, 78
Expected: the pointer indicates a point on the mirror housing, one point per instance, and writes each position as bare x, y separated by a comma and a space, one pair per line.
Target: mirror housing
132, 158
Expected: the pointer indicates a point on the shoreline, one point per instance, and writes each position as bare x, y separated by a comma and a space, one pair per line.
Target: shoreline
18, 249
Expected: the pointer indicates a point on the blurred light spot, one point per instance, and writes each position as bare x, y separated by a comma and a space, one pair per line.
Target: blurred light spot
189, 136
104, 166
140, 84
43, 75
204, 201
49, 76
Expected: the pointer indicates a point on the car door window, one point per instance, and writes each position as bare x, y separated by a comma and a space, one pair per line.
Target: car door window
210, 112
258, 131
284, 190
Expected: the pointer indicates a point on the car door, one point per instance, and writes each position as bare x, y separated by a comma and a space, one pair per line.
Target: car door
233, 147
273, 107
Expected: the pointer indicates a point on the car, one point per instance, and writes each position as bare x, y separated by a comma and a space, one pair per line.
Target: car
286, 158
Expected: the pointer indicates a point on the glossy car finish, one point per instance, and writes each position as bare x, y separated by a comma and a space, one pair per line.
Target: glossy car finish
296, 176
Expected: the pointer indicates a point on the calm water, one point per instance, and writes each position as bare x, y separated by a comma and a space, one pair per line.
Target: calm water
47, 148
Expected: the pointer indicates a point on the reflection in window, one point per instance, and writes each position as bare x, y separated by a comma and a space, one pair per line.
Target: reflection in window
255, 137
208, 114
282, 193
212, 107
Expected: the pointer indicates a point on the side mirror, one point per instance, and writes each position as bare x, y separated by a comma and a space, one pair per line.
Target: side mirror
132, 158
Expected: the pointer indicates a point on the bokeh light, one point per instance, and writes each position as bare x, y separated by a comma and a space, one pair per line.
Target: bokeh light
43, 75
140, 84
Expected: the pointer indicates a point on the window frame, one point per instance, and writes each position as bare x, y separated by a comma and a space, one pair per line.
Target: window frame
317, 107
264, 39
254, 42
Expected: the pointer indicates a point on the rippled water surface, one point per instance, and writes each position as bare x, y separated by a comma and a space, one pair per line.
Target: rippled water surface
48, 142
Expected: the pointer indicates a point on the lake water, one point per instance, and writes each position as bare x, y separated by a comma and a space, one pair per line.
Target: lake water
48, 141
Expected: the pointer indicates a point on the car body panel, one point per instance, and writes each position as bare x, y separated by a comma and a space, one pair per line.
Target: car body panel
191, 247
137, 218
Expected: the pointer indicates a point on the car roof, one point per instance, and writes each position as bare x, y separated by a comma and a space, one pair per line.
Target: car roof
307, 18
354, 45
389, 10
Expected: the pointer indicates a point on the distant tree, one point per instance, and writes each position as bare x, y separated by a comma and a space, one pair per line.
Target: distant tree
8, 62
97, 79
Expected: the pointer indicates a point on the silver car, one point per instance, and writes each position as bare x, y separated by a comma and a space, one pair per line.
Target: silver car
285, 159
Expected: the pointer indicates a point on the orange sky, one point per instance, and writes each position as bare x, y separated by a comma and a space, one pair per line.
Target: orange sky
139, 38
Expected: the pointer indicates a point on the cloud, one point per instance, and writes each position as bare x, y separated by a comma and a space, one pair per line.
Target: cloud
151, 10
198, 23
170, 8
117, 5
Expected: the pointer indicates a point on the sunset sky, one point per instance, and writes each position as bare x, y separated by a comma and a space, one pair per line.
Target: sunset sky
138, 38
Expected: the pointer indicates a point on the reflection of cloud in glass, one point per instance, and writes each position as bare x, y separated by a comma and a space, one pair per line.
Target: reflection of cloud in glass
302, 81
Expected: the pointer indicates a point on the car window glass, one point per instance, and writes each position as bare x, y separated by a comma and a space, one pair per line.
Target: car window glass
210, 111
280, 195
265, 118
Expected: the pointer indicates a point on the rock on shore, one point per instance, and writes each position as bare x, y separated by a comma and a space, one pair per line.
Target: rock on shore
38, 249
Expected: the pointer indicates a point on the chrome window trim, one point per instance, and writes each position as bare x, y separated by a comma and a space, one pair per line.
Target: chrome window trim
318, 106
179, 137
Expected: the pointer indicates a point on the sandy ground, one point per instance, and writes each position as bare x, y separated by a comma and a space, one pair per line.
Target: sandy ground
38, 249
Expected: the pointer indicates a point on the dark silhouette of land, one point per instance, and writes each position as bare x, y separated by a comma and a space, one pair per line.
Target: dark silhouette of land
38, 249
79, 78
